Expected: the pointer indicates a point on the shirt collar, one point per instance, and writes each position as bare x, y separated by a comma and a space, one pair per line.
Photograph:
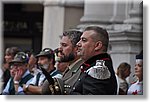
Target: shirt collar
26, 73
103, 56
90, 62
77, 62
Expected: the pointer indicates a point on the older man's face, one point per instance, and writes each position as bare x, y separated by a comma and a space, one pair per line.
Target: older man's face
86, 45
18, 69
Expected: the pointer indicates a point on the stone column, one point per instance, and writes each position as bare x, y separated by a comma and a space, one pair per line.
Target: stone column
102, 13
126, 40
53, 25
1, 43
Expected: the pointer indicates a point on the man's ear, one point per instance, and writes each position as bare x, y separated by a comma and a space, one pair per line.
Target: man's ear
98, 45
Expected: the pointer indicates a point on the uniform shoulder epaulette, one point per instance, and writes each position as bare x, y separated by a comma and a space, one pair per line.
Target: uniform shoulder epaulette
99, 71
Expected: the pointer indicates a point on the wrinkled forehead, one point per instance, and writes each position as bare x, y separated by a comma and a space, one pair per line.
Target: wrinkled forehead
88, 34
65, 39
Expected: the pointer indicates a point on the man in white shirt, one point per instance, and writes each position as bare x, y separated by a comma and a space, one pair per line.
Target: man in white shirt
20, 75
46, 60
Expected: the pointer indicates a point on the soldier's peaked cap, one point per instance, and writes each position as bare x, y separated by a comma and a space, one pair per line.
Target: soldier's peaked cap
20, 57
46, 52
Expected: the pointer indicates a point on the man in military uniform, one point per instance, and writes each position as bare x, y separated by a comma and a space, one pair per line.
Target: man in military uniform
68, 51
98, 77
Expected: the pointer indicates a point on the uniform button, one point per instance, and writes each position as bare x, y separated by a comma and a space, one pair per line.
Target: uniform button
65, 92
74, 88
67, 86
79, 79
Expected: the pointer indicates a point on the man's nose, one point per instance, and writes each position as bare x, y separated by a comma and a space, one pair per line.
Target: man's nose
78, 44
39, 62
135, 67
60, 48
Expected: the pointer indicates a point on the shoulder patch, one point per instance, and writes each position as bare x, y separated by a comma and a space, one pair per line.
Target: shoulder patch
99, 71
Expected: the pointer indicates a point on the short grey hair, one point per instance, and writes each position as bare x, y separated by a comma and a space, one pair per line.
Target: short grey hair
101, 34
73, 35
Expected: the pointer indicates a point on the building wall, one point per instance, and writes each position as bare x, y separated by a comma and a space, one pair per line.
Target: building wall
72, 17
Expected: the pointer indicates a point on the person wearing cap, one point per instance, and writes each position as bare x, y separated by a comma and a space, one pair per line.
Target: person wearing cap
98, 76
46, 60
137, 87
68, 54
20, 75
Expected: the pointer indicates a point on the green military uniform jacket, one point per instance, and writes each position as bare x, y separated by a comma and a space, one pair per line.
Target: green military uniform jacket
65, 84
71, 75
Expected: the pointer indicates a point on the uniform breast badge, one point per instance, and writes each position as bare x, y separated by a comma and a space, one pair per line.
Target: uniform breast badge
99, 71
